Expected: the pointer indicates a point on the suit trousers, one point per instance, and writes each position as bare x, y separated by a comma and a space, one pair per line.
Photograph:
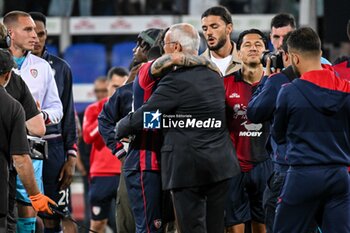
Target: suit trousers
200, 209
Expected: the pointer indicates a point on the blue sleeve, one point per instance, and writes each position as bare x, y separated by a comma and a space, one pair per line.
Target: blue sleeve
69, 130
262, 105
281, 117
107, 120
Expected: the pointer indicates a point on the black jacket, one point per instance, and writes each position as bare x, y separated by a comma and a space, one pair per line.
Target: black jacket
192, 154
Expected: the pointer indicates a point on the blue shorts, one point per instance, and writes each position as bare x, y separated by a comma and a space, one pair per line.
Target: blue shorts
21, 194
145, 195
271, 194
51, 172
245, 198
103, 191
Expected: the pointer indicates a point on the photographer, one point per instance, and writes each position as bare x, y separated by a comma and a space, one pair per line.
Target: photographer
14, 147
261, 109
312, 118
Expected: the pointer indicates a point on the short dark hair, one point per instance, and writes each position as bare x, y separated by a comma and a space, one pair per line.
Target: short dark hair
282, 20
304, 40
251, 31
221, 11
38, 16
13, 16
120, 71
284, 42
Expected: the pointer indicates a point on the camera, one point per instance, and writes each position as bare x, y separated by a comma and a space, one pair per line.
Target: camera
37, 148
276, 59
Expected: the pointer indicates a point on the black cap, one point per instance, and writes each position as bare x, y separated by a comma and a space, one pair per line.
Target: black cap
149, 36
6, 61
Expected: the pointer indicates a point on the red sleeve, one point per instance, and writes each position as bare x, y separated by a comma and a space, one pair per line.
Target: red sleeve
90, 124
145, 77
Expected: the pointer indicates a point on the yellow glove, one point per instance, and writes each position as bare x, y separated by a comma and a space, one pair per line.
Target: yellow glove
40, 203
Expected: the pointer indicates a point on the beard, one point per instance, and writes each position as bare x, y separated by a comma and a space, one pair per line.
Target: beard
221, 42
296, 70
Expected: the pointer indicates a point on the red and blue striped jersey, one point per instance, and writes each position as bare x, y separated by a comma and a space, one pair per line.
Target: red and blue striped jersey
144, 151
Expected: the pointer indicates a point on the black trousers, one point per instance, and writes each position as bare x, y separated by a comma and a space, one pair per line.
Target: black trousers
11, 217
200, 209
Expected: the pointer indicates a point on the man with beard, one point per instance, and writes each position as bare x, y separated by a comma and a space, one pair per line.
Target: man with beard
217, 28
246, 191
317, 182
208, 160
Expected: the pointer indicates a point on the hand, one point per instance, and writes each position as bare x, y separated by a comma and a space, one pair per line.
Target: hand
269, 70
127, 140
119, 150
67, 172
40, 203
80, 165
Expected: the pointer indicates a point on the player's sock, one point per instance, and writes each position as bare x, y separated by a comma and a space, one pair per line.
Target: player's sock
26, 225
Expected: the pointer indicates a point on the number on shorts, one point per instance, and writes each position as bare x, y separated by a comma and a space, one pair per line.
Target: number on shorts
64, 199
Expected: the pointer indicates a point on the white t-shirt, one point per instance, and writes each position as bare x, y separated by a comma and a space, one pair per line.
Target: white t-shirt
37, 74
222, 63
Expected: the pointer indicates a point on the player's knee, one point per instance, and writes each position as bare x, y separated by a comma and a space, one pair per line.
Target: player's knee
98, 225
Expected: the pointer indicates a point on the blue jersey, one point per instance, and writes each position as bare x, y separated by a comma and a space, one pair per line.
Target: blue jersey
67, 127
262, 106
117, 107
313, 118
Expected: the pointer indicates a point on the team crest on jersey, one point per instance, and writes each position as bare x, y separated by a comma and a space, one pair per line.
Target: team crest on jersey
34, 72
96, 210
157, 223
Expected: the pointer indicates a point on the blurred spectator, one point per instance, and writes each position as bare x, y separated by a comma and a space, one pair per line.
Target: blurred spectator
65, 7
25, 5
236, 6
100, 90
129, 7
104, 7
197, 7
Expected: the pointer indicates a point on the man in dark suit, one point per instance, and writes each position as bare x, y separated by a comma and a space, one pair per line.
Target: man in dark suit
197, 154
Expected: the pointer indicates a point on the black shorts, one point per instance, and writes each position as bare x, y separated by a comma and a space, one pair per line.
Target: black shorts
103, 191
245, 200
51, 171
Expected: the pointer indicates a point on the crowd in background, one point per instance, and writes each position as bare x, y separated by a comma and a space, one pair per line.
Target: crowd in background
145, 7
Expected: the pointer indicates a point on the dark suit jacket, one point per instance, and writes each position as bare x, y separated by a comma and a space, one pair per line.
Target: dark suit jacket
191, 156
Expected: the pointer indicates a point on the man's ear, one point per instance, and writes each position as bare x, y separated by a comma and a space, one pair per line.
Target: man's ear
285, 56
178, 47
239, 54
296, 58
229, 28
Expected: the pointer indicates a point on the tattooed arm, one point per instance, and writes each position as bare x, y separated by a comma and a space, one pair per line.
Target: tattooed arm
164, 63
